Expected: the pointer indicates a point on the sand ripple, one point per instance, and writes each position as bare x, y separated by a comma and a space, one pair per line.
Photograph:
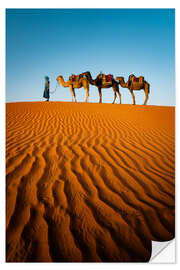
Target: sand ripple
88, 182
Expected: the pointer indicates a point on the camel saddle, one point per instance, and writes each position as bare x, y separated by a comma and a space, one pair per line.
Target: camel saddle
74, 78
107, 79
133, 78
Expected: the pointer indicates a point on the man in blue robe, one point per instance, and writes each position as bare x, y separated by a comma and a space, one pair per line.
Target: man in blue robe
46, 88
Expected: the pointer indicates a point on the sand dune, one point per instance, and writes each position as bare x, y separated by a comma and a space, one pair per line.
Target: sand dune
88, 182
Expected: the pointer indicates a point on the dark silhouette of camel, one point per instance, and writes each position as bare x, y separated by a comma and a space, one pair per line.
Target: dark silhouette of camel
100, 82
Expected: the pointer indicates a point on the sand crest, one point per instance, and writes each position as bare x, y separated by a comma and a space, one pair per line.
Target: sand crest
88, 182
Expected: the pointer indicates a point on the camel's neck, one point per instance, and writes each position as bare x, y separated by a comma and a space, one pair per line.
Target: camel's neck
89, 77
122, 83
62, 82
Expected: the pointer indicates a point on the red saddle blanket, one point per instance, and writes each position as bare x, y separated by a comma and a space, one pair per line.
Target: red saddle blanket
73, 77
109, 78
135, 79
139, 79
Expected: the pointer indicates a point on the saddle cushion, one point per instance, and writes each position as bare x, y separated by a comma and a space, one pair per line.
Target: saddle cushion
139, 79
106, 79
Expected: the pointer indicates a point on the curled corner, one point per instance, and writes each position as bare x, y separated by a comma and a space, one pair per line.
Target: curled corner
158, 248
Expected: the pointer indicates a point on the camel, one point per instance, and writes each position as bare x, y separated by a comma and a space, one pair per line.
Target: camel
132, 85
99, 83
80, 82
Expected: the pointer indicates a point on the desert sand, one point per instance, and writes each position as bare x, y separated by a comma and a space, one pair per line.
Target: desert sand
88, 182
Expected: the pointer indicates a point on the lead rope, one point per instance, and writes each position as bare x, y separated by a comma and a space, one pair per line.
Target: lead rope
55, 89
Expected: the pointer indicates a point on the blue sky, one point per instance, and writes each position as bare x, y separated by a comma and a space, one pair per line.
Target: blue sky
56, 42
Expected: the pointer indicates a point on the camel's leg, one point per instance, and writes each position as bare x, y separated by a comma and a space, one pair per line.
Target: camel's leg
146, 91
116, 90
100, 95
72, 93
87, 94
133, 97
115, 95
119, 96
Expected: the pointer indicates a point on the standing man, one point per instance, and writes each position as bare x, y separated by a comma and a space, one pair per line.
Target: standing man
46, 88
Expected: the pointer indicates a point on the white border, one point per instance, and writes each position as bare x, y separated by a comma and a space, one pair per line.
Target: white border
70, 4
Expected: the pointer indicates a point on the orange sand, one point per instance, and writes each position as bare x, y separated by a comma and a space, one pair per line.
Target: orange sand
88, 182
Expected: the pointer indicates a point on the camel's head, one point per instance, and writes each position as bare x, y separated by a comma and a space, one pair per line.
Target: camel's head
120, 78
59, 77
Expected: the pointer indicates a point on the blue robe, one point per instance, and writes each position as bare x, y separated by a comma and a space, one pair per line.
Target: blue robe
46, 90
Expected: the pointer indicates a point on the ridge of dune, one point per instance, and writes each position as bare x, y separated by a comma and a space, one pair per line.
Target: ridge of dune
88, 182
